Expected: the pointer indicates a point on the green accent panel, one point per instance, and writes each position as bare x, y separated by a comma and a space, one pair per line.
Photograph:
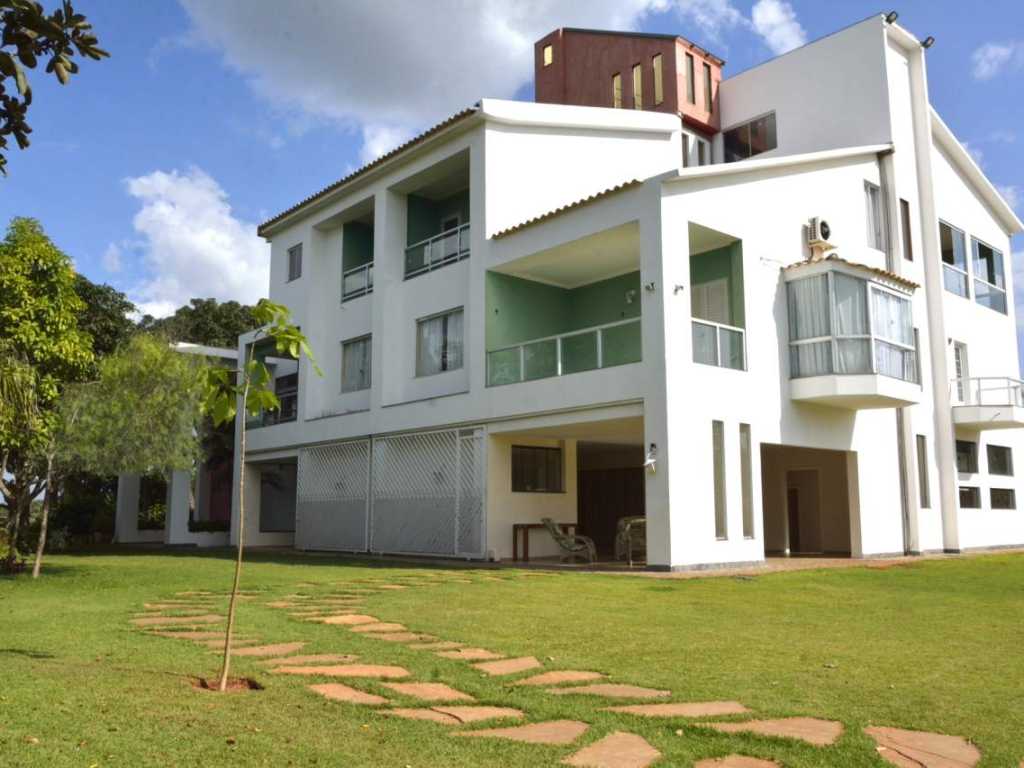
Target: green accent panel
726, 262
605, 302
424, 217
356, 245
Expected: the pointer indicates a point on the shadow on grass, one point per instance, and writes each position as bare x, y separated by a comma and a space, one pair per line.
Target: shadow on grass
28, 654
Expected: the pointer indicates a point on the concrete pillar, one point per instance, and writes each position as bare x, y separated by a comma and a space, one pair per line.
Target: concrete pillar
178, 492
126, 515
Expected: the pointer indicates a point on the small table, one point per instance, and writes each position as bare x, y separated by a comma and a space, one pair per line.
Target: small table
569, 528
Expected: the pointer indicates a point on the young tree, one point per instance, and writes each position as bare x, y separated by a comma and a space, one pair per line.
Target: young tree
251, 386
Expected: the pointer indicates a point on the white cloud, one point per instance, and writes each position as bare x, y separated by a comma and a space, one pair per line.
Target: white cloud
191, 244
992, 58
711, 17
1011, 193
380, 139
975, 152
112, 258
776, 22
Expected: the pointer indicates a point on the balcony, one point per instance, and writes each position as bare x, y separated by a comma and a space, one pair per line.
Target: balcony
988, 402
717, 298
284, 372
357, 282
437, 251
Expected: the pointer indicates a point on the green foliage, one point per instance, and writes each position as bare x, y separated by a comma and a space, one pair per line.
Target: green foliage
205, 321
105, 316
153, 517
27, 34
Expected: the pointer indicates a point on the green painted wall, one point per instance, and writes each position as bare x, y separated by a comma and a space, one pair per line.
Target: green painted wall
424, 216
356, 245
726, 262
519, 310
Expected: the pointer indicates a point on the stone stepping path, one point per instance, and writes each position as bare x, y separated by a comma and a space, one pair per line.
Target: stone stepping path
550, 732
470, 654
820, 733
429, 691
921, 749
276, 649
455, 715
612, 691
507, 666
349, 619
401, 637
342, 692
380, 626
440, 645
166, 621
736, 761
237, 643
383, 671
616, 750
314, 658
683, 709
188, 635
560, 676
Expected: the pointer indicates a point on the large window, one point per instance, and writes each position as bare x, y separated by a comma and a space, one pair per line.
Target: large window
1000, 460
876, 230
617, 90
1003, 498
355, 364
989, 282
689, 79
638, 86
295, 262
708, 100
953, 247
966, 457
718, 453
908, 240
970, 497
750, 139
659, 79
537, 470
923, 486
747, 478
549, 55
439, 343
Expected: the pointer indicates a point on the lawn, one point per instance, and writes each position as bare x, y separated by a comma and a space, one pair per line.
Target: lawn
936, 645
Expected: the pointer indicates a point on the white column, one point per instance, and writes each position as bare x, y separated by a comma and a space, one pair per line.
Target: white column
176, 524
126, 515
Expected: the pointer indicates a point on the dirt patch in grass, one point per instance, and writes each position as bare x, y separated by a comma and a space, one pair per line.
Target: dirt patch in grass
235, 684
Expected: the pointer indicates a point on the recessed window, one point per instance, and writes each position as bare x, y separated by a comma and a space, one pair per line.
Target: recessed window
295, 262
686, 150
638, 87
1003, 498
989, 283
718, 454
923, 486
659, 79
966, 457
708, 102
617, 91
439, 343
450, 223
747, 478
286, 388
702, 152
1000, 460
953, 247
908, 241
690, 97
873, 201
970, 497
549, 55
356, 356
537, 469
750, 139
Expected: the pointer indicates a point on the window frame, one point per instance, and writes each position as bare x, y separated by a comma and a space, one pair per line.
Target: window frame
875, 216
1012, 505
547, 450
1009, 459
972, 456
617, 90
1000, 290
691, 77
445, 315
748, 124
974, 491
961, 273
747, 479
709, 104
548, 55
294, 263
366, 338
657, 65
719, 480
638, 86
906, 230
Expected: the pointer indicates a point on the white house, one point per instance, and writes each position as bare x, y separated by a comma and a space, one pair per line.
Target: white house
607, 304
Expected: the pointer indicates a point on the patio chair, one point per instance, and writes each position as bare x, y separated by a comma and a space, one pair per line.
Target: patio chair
570, 546
631, 538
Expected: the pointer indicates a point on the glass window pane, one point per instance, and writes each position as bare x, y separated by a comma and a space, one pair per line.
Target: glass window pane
966, 456
747, 479
1003, 498
621, 344
429, 346
355, 365
989, 296
503, 367
540, 360
731, 349
954, 281
453, 341
853, 356
705, 344
895, 361
970, 497
579, 352
923, 487
1000, 460
718, 453
808, 308
892, 317
850, 305
537, 469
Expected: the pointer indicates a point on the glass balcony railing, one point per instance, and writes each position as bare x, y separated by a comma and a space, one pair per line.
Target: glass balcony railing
988, 390
437, 251
717, 344
357, 281
602, 346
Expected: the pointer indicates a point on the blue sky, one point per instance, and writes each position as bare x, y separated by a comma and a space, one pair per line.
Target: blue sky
153, 167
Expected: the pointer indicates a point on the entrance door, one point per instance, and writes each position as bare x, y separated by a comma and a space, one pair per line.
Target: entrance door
793, 518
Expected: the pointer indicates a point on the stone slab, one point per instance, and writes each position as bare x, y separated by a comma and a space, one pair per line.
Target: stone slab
275, 649
379, 626
560, 676
399, 637
349, 619
616, 750
421, 714
190, 635
429, 691
683, 709
314, 658
507, 666
440, 645
470, 654
341, 692
922, 749
165, 621
612, 691
382, 671
820, 733
550, 732
476, 714
736, 761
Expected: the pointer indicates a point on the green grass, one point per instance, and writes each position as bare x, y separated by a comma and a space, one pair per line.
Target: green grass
936, 645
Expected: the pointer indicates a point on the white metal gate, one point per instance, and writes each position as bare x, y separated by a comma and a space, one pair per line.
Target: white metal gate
333, 497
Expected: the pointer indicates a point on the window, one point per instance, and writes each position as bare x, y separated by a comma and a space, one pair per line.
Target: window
638, 87
908, 241
1000, 460
295, 262
549, 55
989, 284
970, 497
617, 90
747, 478
356, 356
686, 150
689, 79
448, 223
718, 452
439, 343
953, 247
1002, 498
923, 487
873, 198
961, 369
287, 390
537, 470
702, 152
966, 457
659, 79
708, 103
750, 139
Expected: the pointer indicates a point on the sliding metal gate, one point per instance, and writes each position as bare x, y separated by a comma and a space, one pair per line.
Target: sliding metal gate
417, 493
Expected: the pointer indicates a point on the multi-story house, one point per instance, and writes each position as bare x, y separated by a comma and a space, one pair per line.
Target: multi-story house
771, 312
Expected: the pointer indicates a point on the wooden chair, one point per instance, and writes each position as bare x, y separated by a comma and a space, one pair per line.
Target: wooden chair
570, 546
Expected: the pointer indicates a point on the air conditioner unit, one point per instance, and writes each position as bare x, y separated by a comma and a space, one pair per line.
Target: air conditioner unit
818, 232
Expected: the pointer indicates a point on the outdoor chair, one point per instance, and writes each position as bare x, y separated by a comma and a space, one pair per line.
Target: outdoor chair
631, 538
570, 546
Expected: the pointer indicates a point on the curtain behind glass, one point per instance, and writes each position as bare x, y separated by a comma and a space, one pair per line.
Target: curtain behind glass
355, 365
453, 356
892, 318
851, 310
808, 308
429, 346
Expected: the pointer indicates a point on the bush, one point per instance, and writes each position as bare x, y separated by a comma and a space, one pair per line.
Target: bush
152, 517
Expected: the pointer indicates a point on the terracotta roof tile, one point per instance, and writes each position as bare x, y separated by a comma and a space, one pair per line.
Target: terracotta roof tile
884, 273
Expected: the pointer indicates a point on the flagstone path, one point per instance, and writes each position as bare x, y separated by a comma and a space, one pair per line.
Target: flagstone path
616, 750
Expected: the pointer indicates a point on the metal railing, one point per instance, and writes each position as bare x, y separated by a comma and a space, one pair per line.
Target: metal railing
357, 281
601, 346
719, 344
437, 251
987, 390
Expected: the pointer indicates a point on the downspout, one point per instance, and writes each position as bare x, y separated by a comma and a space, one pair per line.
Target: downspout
942, 407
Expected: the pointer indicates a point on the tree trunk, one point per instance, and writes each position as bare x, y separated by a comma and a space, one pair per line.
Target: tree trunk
37, 566
225, 667
14, 526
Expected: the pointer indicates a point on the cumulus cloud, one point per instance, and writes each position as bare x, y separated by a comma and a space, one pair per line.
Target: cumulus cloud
776, 22
976, 153
992, 58
191, 243
1011, 193
112, 258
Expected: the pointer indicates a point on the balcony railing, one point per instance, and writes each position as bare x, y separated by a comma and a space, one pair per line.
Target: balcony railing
719, 344
357, 281
988, 390
437, 251
601, 346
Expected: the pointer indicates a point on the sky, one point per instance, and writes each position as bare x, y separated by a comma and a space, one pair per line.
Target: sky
153, 168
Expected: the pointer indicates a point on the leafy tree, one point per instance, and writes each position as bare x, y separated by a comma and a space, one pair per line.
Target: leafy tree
205, 321
27, 34
106, 316
251, 385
